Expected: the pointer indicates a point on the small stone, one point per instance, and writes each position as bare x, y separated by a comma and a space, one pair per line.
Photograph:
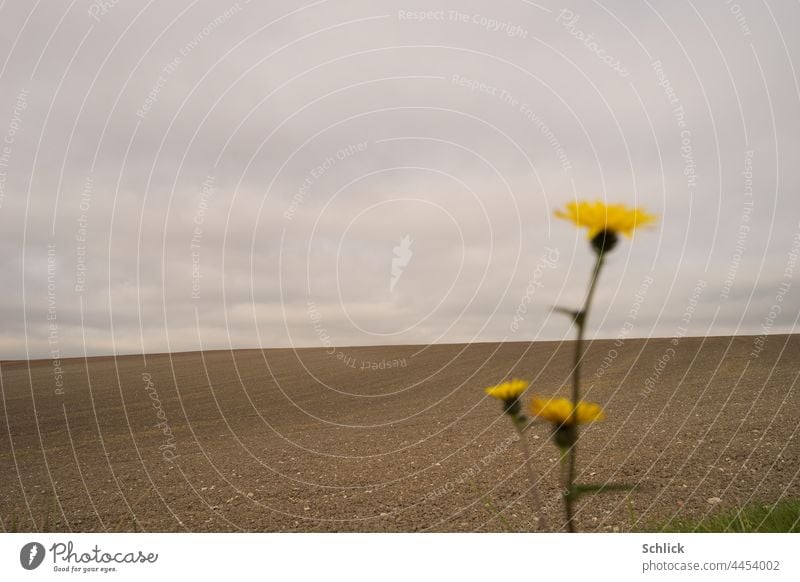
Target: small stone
713, 500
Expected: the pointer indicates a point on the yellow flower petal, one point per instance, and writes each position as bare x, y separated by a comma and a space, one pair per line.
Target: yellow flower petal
598, 216
507, 391
589, 412
559, 410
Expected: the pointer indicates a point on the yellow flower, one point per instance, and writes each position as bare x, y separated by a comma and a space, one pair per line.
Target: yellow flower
598, 217
559, 411
507, 391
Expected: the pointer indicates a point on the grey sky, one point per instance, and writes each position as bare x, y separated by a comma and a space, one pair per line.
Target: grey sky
296, 146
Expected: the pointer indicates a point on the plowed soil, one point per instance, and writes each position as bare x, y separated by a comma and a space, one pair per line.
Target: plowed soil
391, 438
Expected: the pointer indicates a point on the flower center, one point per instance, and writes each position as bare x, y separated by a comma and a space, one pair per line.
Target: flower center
604, 241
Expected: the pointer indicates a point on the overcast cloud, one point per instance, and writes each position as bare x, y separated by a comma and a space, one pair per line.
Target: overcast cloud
187, 175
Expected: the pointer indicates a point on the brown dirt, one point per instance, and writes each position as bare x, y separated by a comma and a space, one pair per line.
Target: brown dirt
283, 440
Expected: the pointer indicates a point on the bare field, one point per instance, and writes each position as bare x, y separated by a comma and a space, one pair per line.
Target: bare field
390, 438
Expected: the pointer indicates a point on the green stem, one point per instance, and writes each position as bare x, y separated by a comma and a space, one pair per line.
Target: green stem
572, 461
541, 522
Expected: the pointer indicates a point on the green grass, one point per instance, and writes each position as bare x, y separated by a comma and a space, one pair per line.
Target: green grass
781, 517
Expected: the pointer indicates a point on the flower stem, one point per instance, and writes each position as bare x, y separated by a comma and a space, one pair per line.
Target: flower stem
572, 461
541, 522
